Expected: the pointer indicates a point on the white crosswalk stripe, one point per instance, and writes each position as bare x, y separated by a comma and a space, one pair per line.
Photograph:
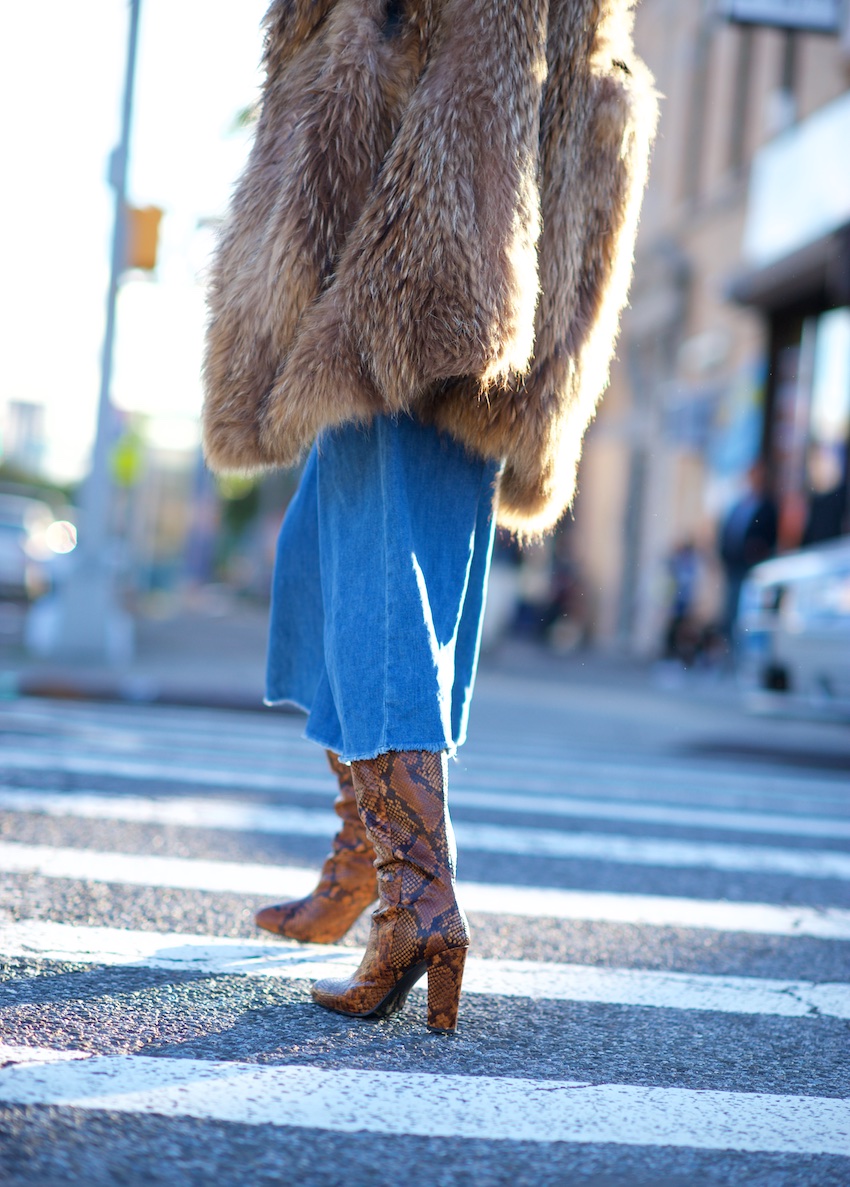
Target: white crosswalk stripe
487, 898
501, 978
289, 767
162, 749
436, 1105
531, 842
241, 781
560, 804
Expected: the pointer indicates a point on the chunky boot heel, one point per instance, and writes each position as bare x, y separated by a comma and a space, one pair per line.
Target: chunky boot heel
348, 883
445, 976
418, 927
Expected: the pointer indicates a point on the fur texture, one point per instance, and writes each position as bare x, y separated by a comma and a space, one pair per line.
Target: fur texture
438, 216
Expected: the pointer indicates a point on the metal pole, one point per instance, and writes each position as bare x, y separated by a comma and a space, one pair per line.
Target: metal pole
95, 501
87, 621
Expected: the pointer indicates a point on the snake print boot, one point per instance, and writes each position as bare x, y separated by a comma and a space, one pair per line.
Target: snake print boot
418, 927
347, 885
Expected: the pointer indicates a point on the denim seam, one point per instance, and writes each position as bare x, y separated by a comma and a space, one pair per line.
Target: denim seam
488, 561
384, 562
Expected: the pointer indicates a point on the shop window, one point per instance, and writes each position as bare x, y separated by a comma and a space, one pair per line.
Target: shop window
782, 105
696, 126
810, 429
829, 429
741, 99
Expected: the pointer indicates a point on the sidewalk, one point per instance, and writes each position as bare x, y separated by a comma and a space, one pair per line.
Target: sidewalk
209, 655
213, 654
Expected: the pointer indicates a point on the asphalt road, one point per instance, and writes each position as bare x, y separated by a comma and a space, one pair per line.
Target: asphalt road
659, 889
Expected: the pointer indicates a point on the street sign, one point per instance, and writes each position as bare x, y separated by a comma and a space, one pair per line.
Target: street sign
814, 16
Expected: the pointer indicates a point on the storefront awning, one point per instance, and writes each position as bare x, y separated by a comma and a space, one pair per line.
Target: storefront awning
818, 273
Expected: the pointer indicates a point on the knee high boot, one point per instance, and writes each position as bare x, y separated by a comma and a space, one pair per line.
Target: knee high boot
347, 885
418, 927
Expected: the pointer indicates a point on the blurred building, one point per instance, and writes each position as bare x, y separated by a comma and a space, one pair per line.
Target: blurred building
737, 343
22, 440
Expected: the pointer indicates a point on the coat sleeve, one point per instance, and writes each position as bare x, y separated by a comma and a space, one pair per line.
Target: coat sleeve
438, 276
598, 127
598, 122
333, 94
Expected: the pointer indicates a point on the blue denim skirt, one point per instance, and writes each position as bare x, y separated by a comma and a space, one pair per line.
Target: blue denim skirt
379, 587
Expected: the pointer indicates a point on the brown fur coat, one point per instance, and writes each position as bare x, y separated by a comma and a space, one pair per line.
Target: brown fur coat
438, 216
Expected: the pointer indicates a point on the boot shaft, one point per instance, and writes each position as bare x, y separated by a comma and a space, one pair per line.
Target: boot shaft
402, 800
351, 837
348, 882
418, 928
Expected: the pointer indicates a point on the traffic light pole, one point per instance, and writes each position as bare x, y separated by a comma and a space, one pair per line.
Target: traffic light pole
88, 621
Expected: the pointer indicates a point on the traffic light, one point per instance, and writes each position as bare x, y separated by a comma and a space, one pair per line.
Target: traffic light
142, 236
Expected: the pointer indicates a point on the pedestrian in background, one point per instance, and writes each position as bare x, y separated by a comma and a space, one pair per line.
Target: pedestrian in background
682, 635
387, 295
748, 536
828, 514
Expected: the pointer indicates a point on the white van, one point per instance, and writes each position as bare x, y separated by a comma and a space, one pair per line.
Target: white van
794, 631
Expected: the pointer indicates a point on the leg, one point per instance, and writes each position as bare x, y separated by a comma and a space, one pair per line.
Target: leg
347, 885
418, 927
405, 535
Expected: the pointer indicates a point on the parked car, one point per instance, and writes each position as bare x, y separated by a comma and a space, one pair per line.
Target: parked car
31, 539
794, 630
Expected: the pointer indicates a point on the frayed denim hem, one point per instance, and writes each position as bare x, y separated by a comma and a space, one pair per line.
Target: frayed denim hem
450, 748
397, 648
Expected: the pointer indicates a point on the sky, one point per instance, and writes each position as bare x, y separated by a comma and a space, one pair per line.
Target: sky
61, 82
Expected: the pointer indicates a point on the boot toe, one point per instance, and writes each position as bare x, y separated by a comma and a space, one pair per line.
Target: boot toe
273, 918
332, 995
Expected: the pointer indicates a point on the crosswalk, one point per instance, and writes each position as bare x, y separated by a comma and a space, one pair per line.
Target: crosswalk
477, 837
488, 898
660, 975
503, 978
437, 1105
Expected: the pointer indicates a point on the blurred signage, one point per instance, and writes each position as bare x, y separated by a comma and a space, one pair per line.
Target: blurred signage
818, 16
142, 236
738, 425
127, 458
800, 186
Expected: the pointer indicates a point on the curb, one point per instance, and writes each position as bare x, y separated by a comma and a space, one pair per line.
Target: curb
134, 690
